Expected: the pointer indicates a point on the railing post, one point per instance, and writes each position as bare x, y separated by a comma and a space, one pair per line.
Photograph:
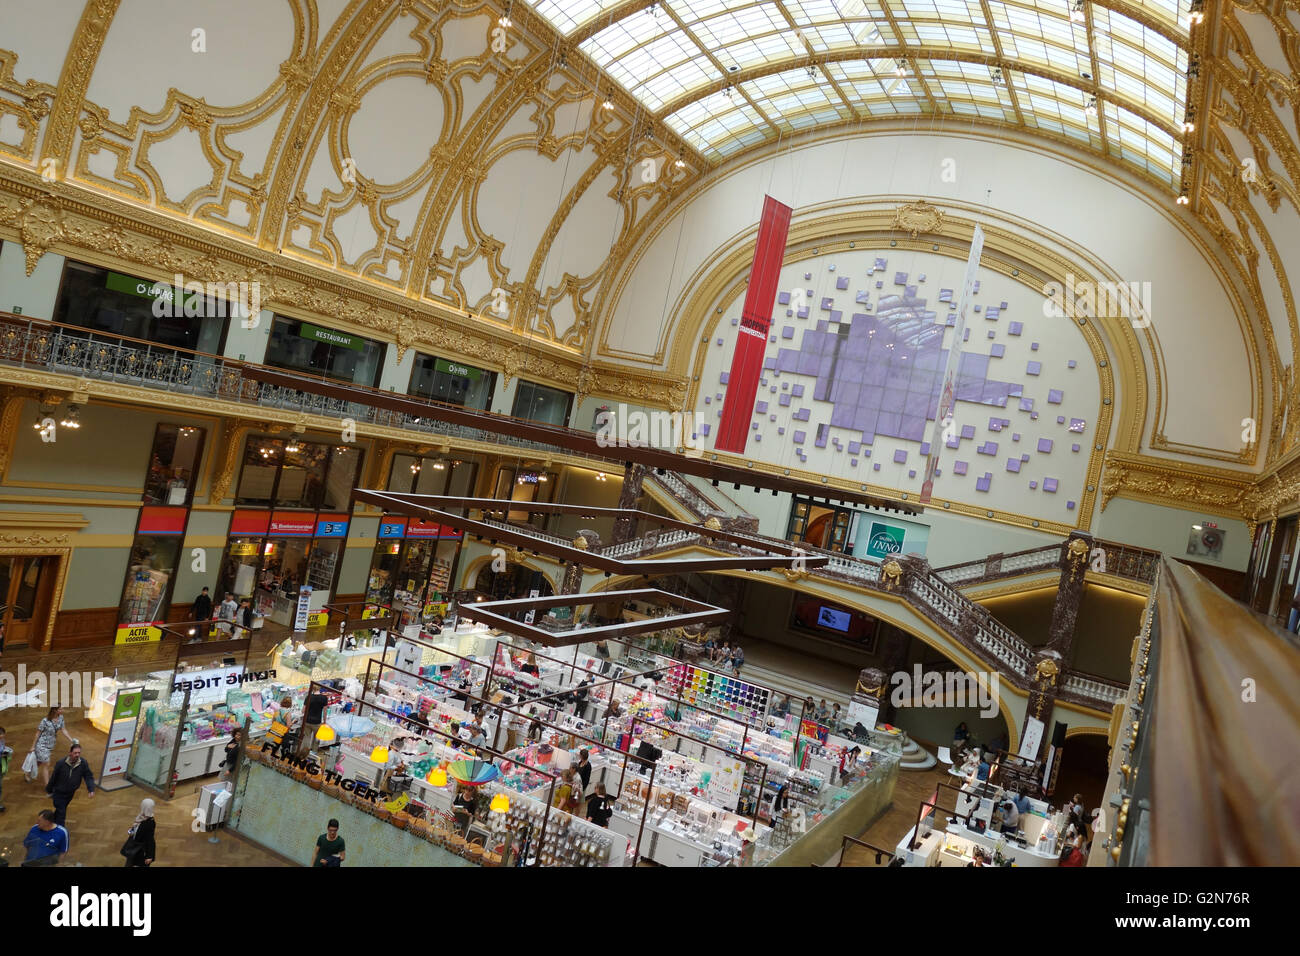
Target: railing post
992, 566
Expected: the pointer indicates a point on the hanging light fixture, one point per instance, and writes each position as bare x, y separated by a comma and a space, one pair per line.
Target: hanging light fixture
609, 103
437, 777
900, 67
500, 804
1197, 14
1076, 12
1091, 108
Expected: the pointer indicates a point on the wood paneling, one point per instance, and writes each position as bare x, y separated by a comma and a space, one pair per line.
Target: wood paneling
86, 627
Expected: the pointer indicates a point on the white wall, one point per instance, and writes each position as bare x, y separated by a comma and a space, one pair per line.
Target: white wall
33, 295
1167, 529
1035, 191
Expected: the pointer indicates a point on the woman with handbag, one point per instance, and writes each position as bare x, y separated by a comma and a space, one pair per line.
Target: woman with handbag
139, 848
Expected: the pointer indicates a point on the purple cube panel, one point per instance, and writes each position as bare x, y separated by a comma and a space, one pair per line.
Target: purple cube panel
705, 428
1077, 425
1034, 368
724, 378
760, 408
1013, 465
1055, 396
997, 351
1049, 485
982, 484
1015, 328
959, 467
900, 457
1045, 445
1074, 447
802, 415
799, 437
1069, 506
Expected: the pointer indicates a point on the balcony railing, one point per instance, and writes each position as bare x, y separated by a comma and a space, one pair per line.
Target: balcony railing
1121, 560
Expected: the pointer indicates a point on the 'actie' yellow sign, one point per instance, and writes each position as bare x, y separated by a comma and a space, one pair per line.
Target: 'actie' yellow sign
138, 634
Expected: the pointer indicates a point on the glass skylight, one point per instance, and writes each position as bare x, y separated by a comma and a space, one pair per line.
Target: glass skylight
731, 74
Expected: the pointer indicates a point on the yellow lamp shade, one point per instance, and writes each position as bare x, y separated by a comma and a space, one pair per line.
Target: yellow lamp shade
438, 777
325, 733
500, 804
379, 755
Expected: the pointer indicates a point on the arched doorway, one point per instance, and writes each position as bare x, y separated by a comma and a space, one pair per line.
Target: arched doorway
516, 581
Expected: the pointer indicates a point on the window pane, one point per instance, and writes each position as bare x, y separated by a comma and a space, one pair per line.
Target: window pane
120, 305
304, 347
341, 478
173, 465
538, 403
302, 475
257, 478
452, 382
148, 578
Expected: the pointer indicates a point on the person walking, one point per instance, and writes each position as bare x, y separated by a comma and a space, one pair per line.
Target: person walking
47, 732
201, 609
46, 842
142, 834
244, 619
65, 781
331, 849
226, 614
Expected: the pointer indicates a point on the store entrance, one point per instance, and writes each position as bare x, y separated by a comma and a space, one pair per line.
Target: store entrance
26, 587
516, 581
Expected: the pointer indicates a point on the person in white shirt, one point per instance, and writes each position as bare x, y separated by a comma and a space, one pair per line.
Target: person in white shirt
1010, 816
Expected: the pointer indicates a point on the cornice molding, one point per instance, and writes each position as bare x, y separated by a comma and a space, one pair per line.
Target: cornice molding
86, 226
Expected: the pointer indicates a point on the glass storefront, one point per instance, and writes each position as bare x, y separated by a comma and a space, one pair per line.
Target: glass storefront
272, 556
304, 347
537, 403
412, 567
98, 300
452, 382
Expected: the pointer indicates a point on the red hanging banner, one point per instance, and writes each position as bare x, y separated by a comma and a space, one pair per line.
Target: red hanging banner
755, 320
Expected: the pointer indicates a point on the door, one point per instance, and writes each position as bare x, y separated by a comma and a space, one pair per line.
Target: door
23, 596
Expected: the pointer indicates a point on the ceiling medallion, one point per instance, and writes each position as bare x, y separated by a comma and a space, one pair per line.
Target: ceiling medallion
917, 217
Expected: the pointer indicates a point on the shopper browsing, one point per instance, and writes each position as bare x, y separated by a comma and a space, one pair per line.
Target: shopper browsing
599, 807
140, 838
66, 780
331, 849
231, 759
46, 842
1010, 816
584, 768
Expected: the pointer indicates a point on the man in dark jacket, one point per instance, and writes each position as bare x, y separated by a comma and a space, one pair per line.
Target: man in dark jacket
201, 609
66, 779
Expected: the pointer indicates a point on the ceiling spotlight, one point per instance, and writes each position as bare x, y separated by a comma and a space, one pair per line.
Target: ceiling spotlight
1197, 14
900, 68
727, 92
1091, 108
1076, 12
1183, 200
505, 17
997, 75
608, 104
680, 163
1189, 121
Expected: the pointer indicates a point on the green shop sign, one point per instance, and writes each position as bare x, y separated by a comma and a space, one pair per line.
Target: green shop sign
314, 332
460, 371
141, 287
885, 540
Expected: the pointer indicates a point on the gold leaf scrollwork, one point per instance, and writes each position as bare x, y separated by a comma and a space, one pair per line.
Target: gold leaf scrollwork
41, 226
917, 217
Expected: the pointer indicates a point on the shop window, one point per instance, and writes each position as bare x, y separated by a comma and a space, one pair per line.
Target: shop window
239, 569
262, 458
516, 581
432, 476
292, 473
98, 300
173, 465
537, 403
304, 347
452, 382
526, 484
149, 576
341, 478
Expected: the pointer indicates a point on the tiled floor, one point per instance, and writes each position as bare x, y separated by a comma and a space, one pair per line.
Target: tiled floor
97, 826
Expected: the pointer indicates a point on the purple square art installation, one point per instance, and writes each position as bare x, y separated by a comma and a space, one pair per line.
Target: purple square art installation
1074, 447
1077, 425
1034, 368
1013, 465
1045, 446
1014, 328
959, 467
1049, 485
799, 437
982, 484
1054, 396
900, 457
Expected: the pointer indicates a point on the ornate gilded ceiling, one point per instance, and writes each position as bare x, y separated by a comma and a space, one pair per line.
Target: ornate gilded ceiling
417, 167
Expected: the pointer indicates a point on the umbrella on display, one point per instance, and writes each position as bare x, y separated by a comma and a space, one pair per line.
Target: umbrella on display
351, 725
473, 772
